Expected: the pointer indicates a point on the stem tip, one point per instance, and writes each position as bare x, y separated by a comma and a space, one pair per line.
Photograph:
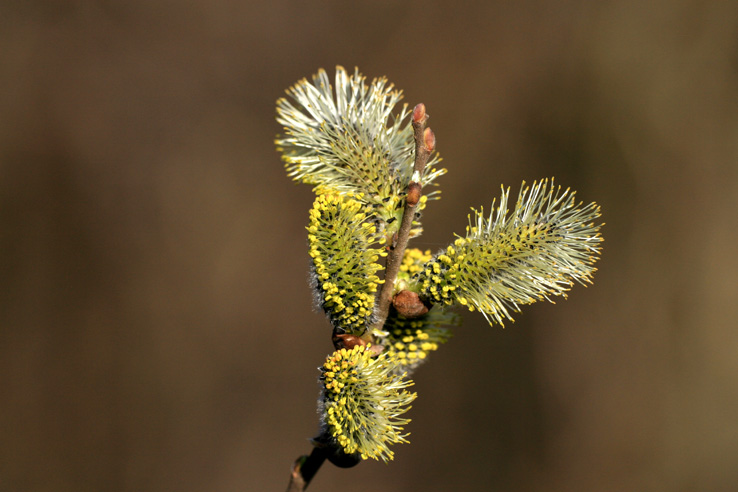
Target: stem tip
419, 113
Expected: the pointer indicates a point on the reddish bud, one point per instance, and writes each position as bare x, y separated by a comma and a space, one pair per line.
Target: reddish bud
429, 139
409, 305
414, 190
347, 341
419, 113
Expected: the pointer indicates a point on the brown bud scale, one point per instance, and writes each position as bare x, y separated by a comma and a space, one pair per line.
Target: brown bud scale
429, 139
419, 113
414, 190
409, 304
347, 341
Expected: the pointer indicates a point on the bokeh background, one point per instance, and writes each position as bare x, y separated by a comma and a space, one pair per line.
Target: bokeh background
156, 329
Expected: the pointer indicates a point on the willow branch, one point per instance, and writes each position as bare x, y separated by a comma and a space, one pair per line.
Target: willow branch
305, 469
425, 143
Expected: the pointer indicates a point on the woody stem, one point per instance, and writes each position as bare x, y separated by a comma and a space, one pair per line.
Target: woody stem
424, 145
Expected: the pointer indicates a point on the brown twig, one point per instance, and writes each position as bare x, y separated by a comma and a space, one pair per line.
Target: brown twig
425, 143
305, 469
306, 466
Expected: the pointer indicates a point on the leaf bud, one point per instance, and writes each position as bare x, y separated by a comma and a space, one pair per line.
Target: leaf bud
408, 304
419, 113
347, 341
429, 140
414, 191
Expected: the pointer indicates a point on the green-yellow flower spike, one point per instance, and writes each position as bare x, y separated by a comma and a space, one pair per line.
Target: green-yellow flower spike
348, 141
344, 261
548, 242
409, 341
363, 401
413, 262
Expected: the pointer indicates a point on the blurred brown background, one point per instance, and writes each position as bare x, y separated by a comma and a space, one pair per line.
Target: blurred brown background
156, 330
